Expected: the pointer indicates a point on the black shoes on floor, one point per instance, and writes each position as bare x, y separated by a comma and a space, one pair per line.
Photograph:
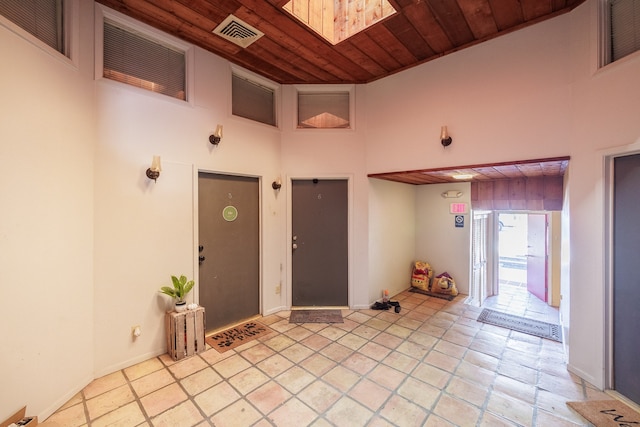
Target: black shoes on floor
386, 306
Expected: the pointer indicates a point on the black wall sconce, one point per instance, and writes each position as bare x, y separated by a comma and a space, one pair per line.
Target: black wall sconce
445, 138
277, 184
217, 136
154, 171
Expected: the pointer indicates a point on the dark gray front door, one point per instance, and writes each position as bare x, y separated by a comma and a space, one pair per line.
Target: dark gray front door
228, 220
626, 280
320, 243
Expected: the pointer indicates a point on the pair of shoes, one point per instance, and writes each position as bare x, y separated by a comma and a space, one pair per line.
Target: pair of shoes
386, 306
396, 306
380, 306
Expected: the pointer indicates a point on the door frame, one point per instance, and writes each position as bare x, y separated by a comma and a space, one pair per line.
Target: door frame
608, 158
196, 231
478, 292
289, 258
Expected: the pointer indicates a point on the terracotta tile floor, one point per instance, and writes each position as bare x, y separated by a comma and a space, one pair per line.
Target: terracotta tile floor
432, 364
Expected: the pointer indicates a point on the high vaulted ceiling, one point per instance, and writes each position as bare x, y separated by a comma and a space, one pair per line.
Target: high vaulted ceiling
292, 53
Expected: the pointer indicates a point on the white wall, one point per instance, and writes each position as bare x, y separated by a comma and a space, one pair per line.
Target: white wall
46, 224
392, 236
331, 153
439, 242
505, 99
74, 151
530, 94
90, 239
147, 231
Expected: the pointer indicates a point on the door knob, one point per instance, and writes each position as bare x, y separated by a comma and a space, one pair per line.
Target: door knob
200, 248
201, 258
294, 238
294, 246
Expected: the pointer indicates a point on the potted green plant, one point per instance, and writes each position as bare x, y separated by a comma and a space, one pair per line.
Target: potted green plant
181, 287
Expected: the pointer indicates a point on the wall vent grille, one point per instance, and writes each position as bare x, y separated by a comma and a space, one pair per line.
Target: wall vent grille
237, 31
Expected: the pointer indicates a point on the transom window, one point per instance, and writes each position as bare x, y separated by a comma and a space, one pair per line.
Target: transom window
137, 59
330, 108
624, 28
43, 19
252, 100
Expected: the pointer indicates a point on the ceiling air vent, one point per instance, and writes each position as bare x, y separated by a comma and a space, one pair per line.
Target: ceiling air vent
237, 31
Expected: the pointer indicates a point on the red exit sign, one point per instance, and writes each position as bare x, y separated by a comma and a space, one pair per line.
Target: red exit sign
458, 208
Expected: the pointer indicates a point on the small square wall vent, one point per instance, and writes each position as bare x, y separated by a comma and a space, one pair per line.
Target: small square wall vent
237, 31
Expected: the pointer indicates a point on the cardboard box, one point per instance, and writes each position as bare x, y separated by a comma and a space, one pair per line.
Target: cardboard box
20, 420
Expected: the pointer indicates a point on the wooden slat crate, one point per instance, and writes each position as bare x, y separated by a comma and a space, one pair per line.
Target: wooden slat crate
185, 333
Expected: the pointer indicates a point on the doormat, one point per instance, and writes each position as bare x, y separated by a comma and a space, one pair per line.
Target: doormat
606, 413
236, 336
537, 328
316, 316
432, 294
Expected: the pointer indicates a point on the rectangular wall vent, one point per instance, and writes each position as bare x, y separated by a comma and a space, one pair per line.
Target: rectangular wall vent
237, 31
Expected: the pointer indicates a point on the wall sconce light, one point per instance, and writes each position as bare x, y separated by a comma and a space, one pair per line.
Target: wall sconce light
277, 184
445, 138
217, 136
451, 194
154, 171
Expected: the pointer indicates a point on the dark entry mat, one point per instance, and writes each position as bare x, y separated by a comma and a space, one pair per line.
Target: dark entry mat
432, 294
316, 316
536, 328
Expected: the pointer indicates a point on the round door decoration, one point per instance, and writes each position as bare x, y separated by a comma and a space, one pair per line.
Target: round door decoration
230, 213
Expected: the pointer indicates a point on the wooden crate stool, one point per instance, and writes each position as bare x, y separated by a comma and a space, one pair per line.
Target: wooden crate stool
185, 333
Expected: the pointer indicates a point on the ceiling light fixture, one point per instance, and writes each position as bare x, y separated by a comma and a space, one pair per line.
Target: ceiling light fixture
462, 176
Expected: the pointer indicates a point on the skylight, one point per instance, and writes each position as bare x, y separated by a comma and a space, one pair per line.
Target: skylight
337, 20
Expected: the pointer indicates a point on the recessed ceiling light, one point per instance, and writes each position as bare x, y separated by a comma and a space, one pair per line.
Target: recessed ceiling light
462, 176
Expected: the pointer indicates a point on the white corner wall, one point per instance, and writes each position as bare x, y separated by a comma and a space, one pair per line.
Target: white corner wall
46, 226
439, 242
392, 237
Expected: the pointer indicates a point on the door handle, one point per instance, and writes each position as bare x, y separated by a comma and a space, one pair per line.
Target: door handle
294, 246
200, 259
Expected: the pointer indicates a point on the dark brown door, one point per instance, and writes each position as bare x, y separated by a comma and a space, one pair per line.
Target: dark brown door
626, 280
228, 220
319, 243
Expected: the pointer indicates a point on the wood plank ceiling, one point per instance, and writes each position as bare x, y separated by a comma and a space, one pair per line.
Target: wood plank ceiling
537, 168
291, 53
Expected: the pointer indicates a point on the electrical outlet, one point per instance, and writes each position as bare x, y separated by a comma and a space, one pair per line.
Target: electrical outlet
277, 289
